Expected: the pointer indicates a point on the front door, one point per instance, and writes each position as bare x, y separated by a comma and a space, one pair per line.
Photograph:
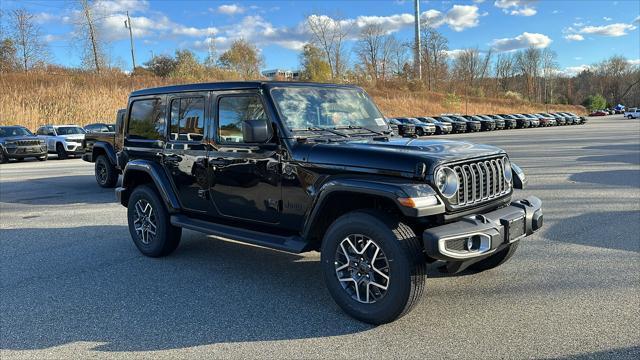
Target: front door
244, 177
185, 152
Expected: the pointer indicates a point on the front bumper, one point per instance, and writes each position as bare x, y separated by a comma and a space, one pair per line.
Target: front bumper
74, 148
480, 235
21, 152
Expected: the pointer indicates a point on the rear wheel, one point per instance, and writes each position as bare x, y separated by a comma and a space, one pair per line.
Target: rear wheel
149, 223
373, 266
106, 174
496, 259
61, 152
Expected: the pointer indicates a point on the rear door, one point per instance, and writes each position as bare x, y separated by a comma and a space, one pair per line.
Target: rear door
185, 153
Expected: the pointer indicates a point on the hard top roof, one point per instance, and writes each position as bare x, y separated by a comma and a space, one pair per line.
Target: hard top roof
228, 85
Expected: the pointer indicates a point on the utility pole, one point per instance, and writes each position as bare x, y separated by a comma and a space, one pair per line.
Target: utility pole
92, 34
127, 24
416, 55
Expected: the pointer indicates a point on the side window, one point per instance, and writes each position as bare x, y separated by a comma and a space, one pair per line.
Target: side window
41, 131
147, 120
232, 111
187, 119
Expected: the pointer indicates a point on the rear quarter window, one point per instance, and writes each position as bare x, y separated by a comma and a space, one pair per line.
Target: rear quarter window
147, 120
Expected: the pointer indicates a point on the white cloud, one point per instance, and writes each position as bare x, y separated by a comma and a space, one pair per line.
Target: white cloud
521, 41
454, 53
230, 9
574, 70
520, 7
636, 20
613, 30
194, 32
51, 38
525, 11
44, 17
120, 6
634, 62
574, 37
461, 17
478, 1
606, 18
555, 12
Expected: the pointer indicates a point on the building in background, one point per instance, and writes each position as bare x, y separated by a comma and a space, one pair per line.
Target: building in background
279, 74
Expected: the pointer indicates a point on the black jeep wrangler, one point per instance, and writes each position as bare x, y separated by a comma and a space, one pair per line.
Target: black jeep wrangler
303, 167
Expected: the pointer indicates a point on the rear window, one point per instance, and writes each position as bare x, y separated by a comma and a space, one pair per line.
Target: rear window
147, 120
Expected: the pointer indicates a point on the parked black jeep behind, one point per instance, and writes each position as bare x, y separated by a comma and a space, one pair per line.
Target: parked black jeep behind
301, 167
99, 147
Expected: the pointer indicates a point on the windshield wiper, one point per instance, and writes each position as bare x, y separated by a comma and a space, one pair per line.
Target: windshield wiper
319, 129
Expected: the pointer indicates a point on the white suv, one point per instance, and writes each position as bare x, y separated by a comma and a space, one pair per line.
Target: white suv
63, 140
633, 113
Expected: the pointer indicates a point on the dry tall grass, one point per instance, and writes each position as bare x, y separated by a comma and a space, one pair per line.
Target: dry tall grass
35, 99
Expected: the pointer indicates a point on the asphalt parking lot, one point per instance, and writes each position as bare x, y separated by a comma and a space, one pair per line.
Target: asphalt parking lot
74, 285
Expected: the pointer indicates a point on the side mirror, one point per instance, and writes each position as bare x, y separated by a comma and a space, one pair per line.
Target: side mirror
256, 131
519, 179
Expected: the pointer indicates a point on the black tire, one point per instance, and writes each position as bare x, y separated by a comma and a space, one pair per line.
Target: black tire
43, 157
19, 159
419, 132
496, 259
403, 258
3, 157
61, 152
106, 174
167, 236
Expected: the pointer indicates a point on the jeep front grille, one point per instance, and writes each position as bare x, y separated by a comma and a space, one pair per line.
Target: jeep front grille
481, 181
27, 142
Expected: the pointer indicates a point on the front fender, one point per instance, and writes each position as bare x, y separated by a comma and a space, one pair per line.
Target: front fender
392, 189
156, 173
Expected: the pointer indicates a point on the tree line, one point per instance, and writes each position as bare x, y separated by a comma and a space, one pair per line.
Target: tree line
376, 58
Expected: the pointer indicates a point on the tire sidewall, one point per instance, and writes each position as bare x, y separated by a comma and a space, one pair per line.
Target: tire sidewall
156, 247
109, 180
394, 301
61, 152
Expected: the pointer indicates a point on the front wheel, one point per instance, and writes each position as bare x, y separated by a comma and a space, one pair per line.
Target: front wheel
61, 152
3, 157
419, 132
43, 157
372, 265
149, 223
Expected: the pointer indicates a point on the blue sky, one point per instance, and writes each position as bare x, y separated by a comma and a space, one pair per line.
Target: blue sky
581, 32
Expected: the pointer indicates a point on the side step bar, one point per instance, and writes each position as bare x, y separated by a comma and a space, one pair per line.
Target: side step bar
292, 244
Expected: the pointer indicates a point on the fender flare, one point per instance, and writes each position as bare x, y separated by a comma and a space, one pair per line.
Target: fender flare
391, 189
159, 178
108, 149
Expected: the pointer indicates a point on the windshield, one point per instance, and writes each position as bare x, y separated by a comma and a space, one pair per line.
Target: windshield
415, 121
7, 131
303, 108
69, 130
429, 120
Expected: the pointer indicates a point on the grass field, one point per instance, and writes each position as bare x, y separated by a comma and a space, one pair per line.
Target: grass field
35, 99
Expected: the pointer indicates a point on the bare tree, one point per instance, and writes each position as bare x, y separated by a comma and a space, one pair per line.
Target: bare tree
549, 65
94, 55
434, 56
504, 71
528, 65
329, 34
369, 48
26, 34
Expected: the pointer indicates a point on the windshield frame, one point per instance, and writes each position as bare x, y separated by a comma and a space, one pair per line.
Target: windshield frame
291, 135
82, 130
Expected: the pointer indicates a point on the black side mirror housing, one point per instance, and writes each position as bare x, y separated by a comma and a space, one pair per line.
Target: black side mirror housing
256, 131
519, 179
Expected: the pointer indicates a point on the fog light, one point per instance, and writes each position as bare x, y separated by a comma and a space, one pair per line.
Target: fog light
469, 244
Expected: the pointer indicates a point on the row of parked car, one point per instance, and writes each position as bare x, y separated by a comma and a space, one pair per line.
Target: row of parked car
454, 123
18, 142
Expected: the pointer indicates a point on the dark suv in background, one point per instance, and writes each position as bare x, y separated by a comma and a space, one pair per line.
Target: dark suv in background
301, 167
17, 142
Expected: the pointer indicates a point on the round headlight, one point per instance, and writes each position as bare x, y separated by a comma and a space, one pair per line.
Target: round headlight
508, 175
447, 181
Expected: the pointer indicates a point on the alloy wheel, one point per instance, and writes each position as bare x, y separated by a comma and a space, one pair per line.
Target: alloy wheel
362, 268
145, 222
101, 173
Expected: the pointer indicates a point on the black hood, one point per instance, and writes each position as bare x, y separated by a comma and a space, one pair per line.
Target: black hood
395, 155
